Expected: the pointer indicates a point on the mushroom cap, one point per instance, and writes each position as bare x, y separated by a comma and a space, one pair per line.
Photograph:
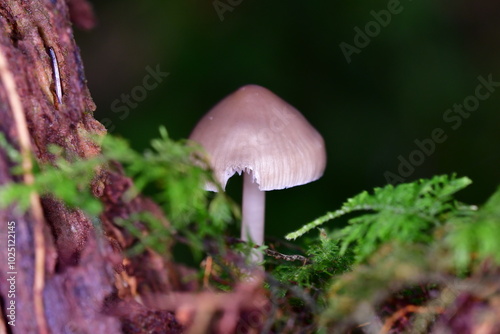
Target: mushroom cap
253, 130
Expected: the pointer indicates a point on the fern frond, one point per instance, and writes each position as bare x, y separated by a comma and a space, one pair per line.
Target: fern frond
406, 213
422, 198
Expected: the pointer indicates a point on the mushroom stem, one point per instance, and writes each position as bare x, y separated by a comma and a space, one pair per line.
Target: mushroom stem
252, 226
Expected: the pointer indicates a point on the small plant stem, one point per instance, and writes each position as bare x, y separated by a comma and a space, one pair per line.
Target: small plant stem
21, 125
252, 227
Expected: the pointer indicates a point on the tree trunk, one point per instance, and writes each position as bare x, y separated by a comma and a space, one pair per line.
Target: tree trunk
65, 277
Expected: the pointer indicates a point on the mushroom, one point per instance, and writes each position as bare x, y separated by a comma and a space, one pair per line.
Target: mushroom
253, 131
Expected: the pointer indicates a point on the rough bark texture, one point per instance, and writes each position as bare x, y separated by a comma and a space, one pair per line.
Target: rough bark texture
86, 277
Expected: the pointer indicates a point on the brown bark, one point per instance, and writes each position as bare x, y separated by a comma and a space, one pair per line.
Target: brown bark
69, 278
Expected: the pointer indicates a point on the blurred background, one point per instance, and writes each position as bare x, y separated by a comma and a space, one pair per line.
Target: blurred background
370, 106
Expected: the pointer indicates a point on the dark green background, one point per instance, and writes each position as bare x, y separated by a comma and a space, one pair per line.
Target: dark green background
369, 111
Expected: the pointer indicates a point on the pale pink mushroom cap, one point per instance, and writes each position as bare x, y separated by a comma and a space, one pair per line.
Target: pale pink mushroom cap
253, 130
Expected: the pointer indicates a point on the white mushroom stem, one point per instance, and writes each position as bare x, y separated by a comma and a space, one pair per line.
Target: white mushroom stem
252, 227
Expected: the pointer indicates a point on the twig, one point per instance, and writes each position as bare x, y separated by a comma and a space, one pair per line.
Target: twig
280, 256
198, 311
208, 271
273, 253
389, 323
25, 146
